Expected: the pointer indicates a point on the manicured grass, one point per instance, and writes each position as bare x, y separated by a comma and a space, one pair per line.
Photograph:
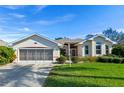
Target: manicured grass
86, 75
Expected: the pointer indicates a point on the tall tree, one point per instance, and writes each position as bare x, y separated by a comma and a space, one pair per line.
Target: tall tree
58, 38
113, 34
122, 36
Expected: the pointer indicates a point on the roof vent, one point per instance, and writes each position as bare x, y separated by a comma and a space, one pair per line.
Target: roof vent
35, 42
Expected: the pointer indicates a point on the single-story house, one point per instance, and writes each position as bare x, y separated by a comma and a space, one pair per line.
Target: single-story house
36, 48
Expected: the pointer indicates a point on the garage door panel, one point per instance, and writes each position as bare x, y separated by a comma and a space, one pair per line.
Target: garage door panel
30, 54
48, 54
40, 54
22, 55
36, 54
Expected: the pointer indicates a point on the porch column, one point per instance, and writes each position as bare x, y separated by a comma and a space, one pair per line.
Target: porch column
93, 48
110, 49
103, 49
69, 49
69, 54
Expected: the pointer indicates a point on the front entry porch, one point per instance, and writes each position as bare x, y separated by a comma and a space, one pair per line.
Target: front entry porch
70, 50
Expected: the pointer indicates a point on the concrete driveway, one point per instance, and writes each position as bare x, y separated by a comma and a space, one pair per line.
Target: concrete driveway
18, 75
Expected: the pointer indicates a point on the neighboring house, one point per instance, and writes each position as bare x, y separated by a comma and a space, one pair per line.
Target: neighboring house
95, 46
121, 42
3, 43
36, 48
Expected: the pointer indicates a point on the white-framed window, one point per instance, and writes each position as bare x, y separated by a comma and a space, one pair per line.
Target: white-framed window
98, 47
86, 49
107, 49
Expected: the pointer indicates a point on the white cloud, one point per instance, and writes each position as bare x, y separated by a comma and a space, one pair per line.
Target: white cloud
64, 18
17, 15
13, 33
12, 7
24, 29
40, 8
10, 36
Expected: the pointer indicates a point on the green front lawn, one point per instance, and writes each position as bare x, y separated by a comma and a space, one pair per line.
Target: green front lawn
87, 75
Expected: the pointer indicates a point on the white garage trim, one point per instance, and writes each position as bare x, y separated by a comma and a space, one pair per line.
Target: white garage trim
35, 56
36, 42
16, 41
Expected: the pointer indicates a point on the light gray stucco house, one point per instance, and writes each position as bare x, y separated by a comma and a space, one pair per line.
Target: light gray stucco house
3, 43
36, 48
121, 42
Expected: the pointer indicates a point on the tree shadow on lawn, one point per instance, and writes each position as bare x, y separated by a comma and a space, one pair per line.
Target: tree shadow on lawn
73, 68
51, 82
87, 76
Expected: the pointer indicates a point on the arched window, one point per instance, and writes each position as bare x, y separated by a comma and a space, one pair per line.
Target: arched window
98, 47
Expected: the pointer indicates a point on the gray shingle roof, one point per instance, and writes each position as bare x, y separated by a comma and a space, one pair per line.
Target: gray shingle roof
68, 40
121, 41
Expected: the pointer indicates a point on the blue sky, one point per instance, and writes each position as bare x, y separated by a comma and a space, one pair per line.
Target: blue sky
58, 21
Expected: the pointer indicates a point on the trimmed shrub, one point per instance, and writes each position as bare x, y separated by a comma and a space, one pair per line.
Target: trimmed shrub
111, 55
117, 60
75, 59
104, 59
118, 50
92, 59
110, 59
61, 59
84, 59
87, 59
122, 61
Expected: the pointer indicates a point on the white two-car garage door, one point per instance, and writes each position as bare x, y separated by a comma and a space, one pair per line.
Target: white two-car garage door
35, 54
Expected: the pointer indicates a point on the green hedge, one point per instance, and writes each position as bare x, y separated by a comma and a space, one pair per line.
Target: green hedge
7, 55
62, 59
75, 59
105, 59
118, 50
110, 59
88, 59
83, 59
110, 55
